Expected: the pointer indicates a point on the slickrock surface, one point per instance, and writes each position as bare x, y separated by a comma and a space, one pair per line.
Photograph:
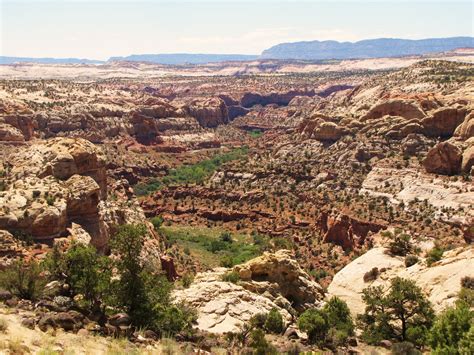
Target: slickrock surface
441, 281
269, 281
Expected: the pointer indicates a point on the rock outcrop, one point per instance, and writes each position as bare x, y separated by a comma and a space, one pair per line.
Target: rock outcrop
466, 129
394, 107
267, 282
441, 282
209, 112
444, 158
346, 231
443, 122
279, 273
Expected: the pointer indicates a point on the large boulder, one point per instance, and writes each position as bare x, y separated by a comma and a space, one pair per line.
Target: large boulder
444, 158
441, 282
281, 274
224, 306
271, 281
443, 122
328, 131
466, 129
467, 159
396, 107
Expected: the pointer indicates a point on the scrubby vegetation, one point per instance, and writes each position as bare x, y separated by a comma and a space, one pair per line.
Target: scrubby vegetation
330, 326
402, 312
215, 247
100, 284
191, 174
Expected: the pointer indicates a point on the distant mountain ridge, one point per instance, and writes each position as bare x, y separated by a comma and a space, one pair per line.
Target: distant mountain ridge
13, 60
307, 50
185, 58
370, 48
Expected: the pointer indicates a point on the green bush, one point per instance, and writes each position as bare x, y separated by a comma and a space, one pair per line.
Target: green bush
450, 328
339, 316
274, 322
157, 222
466, 296
88, 273
410, 260
315, 323
399, 313
260, 345
23, 279
231, 276
400, 244
434, 255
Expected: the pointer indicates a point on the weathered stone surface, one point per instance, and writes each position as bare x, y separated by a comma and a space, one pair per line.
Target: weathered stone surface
444, 158
394, 107
223, 306
466, 129
9, 133
209, 112
287, 277
443, 122
441, 282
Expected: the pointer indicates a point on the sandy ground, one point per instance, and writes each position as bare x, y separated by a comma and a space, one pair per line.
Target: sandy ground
16, 339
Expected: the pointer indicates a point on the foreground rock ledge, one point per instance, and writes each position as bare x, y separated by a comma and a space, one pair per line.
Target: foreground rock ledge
273, 280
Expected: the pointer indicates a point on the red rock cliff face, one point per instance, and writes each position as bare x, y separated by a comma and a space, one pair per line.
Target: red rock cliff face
346, 231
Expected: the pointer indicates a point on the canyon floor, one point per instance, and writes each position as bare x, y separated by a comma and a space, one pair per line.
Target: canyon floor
294, 176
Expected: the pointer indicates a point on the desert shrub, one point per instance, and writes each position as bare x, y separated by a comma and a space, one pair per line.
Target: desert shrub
274, 322
87, 273
450, 328
315, 323
157, 222
410, 260
466, 296
172, 319
260, 345
402, 312
23, 279
400, 244
231, 276
258, 320
404, 348
466, 344
226, 237
187, 280
434, 255
467, 282
371, 275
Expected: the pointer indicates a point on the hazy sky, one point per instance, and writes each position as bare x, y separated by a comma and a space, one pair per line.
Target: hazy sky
99, 29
